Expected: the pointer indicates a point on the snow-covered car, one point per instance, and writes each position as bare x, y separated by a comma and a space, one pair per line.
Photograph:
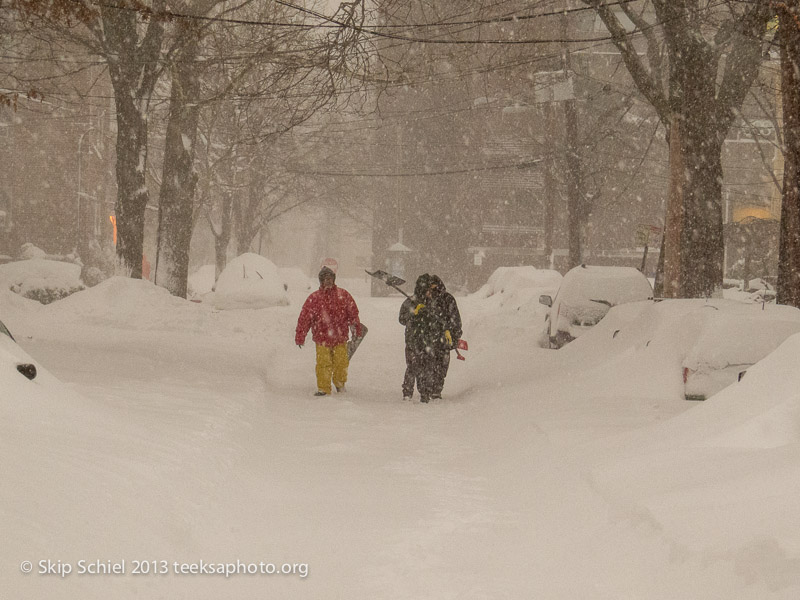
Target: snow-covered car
515, 287
732, 338
4, 330
584, 297
250, 281
14, 357
692, 348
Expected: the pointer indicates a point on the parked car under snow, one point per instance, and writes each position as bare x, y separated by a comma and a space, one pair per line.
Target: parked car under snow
731, 339
586, 294
695, 347
14, 357
250, 281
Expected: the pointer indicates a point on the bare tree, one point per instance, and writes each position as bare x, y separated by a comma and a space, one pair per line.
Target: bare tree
128, 36
263, 82
699, 63
275, 77
179, 180
271, 192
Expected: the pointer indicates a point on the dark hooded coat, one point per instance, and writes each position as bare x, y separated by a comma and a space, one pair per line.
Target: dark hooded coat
439, 313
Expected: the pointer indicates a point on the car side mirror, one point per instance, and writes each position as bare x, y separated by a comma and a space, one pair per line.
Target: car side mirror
546, 300
27, 369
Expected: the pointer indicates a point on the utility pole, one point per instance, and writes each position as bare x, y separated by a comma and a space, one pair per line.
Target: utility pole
81, 237
549, 183
573, 163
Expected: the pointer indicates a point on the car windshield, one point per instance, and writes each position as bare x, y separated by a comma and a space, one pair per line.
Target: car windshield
605, 285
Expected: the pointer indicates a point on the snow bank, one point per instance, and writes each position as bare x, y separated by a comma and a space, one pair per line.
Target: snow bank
201, 282
250, 281
761, 411
14, 306
119, 302
721, 480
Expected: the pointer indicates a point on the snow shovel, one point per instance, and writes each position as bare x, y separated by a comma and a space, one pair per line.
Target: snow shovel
393, 281
354, 343
389, 280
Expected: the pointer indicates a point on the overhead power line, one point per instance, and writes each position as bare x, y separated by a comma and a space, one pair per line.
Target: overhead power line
330, 22
522, 165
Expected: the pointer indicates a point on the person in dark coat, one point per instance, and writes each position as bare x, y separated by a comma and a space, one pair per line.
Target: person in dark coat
433, 328
447, 308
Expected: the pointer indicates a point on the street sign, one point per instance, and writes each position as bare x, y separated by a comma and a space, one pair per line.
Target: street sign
645, 232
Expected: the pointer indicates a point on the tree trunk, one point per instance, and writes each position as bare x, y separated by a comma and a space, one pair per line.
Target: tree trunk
693, 249
694, 269
134, 69
788, 291
176, 200
246, 234
222, 238
249, 213
132, 193
702, 245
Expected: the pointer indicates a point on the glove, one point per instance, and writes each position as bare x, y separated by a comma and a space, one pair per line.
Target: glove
449, 338
418, 308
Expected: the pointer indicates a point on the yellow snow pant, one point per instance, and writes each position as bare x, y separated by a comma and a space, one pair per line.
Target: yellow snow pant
332, 364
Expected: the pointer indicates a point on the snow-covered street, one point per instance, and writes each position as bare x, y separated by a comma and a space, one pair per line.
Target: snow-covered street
186, 435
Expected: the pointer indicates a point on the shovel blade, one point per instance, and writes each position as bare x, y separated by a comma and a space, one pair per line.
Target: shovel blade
387, 278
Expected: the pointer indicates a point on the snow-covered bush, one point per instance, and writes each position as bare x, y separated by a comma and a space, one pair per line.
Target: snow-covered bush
250, 281
46, 295
91, 276
42, 280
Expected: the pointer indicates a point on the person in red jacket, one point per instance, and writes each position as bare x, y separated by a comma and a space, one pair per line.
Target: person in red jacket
329, 312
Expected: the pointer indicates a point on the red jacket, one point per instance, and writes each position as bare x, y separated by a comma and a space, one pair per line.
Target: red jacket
329, 314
